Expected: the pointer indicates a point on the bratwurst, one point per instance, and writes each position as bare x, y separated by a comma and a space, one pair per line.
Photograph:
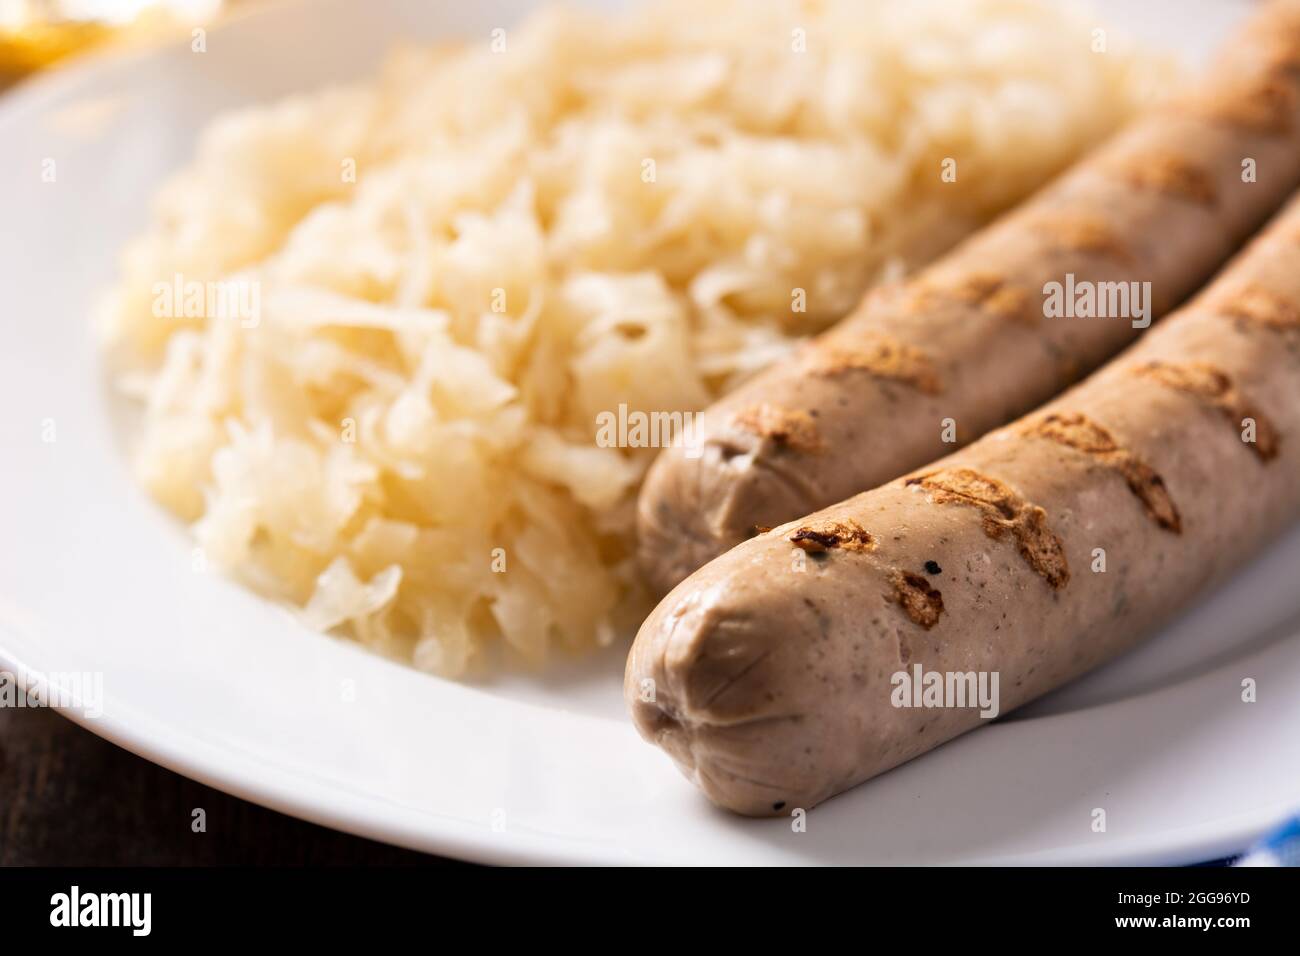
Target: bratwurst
966, 345
1036, 553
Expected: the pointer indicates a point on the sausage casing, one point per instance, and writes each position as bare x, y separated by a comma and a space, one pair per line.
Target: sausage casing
1035, 553
965, 345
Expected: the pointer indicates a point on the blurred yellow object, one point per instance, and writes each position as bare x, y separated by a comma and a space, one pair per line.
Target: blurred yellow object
37, 33
41, 44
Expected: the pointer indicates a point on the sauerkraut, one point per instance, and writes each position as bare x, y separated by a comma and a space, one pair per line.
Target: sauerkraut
374, 328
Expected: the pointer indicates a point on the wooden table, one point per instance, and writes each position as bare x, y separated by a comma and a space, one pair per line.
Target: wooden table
68, 798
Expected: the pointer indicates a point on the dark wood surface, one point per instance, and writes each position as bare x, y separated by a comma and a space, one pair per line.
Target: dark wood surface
69, 798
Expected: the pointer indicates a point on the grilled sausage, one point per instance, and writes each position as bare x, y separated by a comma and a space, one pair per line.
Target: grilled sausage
1035, 553
967, 340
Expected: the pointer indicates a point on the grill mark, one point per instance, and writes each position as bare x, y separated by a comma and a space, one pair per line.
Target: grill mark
1215, 388
1004, 512
1278, 49
990, 293
791, 429
823, 536
1264, 105
1170, 174
881, 355
1258, 305
1081, 433
920, 601
1082, 232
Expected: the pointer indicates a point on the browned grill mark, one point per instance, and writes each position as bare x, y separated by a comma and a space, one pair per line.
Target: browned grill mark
922, 602
1215, 387
1265, 105
1282, 59
987, 291
1278, 50
1083, 232
881, 355
1005, 512
1171, 174
1081, 433
825, 535
1254, 304
792, 429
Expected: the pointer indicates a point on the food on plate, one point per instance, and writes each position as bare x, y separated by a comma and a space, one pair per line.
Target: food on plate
788, 669
377, 331
978, 338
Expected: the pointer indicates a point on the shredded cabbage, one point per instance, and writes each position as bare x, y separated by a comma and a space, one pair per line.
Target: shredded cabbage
443, 277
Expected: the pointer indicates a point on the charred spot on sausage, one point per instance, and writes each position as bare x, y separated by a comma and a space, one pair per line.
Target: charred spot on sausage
1215, 388
990, 292
881, 355
1254, 304
826, 535
1083, 232
1077, 431
1266, 105
1169, 173
1274, 45
922, 602
791, 429
1004, 512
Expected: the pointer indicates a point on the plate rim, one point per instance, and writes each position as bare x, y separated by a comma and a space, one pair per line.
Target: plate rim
358, 814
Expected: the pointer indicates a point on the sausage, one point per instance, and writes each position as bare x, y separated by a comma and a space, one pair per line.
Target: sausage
966, 340
1034, 554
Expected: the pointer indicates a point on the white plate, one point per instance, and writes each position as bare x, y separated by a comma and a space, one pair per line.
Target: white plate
209, 680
